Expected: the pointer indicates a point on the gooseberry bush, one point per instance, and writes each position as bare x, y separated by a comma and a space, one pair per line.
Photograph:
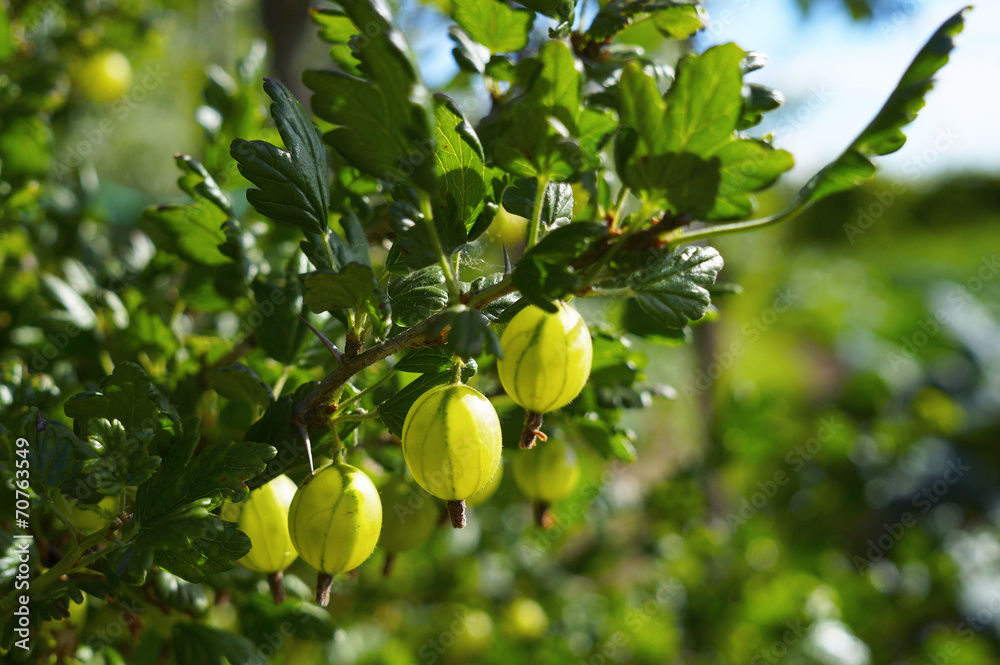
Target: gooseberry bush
331, 310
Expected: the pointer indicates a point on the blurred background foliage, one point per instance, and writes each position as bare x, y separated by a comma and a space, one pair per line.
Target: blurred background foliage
820, 488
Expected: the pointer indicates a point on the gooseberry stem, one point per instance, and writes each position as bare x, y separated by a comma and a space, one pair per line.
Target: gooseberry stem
532, 430
324, 581
276, 582
456, 511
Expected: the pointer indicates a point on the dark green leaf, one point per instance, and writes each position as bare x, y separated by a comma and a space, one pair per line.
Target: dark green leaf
672, 290
424, 360
215, 550
758, 100
416, 296
349, 288
292, 182
546, 273
122, 458
557, 204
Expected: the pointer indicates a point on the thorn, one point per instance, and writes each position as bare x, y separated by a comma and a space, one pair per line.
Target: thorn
507, 269
305, 437
334, 351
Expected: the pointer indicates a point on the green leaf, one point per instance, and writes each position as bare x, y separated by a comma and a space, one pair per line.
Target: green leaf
459, 162
122, 456
494, 24
417, 295
217, 473
424, 360
292, 182
469, 55
195, 229
557, 204
239, 383
672, 290
681, 152
884, 135
393, 410
349, 288
127, 396
215, 550
548, 133
197, 644
545, 273
384, 122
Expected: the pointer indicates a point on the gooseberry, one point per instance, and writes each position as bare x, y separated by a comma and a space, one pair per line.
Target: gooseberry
546, 362
334, 522
451, 445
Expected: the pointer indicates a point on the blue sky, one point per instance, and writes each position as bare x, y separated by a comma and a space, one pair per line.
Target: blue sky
837, 73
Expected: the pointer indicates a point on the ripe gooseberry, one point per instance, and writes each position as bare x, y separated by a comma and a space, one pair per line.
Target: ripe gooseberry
546, 362
334, 522
263, 517
451, 445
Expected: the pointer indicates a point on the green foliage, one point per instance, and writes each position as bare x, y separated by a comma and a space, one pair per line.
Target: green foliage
318, 277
